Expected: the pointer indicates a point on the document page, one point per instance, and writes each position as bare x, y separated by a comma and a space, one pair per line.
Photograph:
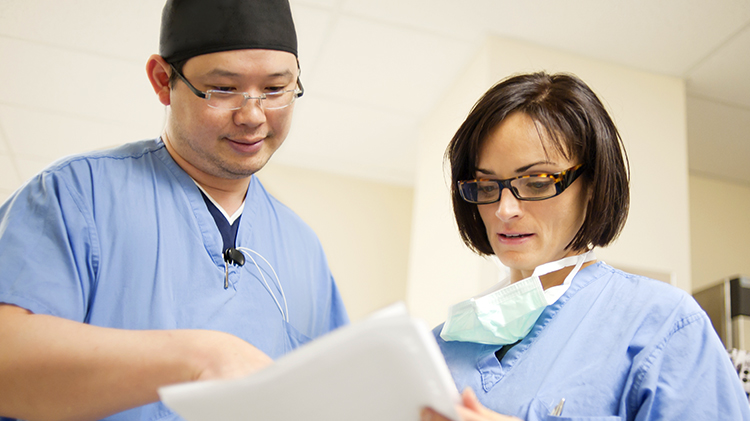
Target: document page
384, 368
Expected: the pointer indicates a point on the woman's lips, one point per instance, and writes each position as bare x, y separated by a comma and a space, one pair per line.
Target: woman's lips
513, 238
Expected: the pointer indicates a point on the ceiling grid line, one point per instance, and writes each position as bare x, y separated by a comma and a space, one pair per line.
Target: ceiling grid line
328, 34
69, 49
714, 51
60, 113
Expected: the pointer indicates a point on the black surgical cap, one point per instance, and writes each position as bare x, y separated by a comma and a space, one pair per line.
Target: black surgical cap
193, 27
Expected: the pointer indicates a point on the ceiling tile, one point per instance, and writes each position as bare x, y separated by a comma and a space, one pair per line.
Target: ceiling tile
29, 167
4, 148
4, 195
387, 66
667, 36
330, 4
312, 25
450, 18
78, 84
718, 75
72, 72
119, 29
9, 177
358, 140
62, 135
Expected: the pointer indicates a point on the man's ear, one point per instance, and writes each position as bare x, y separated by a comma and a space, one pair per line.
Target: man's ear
158, 71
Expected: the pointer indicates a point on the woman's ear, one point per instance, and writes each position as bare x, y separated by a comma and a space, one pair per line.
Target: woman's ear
158, 71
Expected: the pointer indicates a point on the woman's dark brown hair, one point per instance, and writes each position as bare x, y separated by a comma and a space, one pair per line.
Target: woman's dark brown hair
574, 122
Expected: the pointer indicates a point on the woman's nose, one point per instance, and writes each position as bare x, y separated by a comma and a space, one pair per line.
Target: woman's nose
508, 207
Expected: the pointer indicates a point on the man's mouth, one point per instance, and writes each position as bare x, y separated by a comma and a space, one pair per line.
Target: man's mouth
246, 141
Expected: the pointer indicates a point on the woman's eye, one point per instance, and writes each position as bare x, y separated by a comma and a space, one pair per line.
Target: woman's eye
223, 88
273, 89
486, 188
539, 183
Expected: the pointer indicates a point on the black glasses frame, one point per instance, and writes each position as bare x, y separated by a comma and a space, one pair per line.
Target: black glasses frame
563, 180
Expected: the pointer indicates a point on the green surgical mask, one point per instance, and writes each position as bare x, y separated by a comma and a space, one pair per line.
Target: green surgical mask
507, 313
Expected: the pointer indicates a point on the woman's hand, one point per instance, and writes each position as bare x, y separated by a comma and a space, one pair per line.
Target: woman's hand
470, 410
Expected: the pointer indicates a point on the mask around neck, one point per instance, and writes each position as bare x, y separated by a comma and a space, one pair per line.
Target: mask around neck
505, 315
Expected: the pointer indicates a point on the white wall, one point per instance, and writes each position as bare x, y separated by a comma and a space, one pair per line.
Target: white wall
648, 109
364, 227
720, 229
442, 270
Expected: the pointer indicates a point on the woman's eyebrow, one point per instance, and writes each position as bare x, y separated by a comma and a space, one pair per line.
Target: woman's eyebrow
527, 167
518, 170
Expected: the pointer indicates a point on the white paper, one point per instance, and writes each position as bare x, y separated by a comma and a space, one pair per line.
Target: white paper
385, 368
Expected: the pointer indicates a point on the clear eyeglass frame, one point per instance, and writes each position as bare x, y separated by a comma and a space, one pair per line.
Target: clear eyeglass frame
526, 187
235, 100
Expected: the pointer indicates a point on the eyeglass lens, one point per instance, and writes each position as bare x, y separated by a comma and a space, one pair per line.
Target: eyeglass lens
488, 191
234, 100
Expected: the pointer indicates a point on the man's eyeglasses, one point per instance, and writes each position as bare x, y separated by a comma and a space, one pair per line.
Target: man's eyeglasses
235, 100
525, 187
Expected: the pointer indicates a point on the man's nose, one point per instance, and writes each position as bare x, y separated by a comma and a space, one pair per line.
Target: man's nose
251, 113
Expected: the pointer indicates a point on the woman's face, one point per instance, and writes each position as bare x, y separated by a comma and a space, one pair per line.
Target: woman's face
526, 234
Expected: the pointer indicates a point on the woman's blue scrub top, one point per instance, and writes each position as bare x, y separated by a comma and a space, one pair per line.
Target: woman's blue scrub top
616, 347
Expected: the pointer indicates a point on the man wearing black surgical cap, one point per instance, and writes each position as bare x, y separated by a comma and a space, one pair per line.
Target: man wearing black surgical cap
165, 260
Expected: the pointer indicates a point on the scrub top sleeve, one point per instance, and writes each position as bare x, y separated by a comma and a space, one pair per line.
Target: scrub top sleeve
338, 316
49, 246
688, 376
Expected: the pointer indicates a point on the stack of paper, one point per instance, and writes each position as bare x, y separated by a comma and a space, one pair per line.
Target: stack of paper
384, 368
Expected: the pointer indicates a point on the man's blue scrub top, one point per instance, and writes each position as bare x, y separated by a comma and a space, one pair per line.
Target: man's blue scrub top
122, 238
616, 347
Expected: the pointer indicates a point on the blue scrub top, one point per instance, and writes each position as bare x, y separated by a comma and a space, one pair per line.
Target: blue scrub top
122, 238
616, 347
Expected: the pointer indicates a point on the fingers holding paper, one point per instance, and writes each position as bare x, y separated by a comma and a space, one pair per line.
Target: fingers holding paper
470, 410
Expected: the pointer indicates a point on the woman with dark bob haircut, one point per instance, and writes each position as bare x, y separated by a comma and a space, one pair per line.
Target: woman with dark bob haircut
539, 179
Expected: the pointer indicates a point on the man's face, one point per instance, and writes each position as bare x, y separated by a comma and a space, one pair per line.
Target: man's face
229, 144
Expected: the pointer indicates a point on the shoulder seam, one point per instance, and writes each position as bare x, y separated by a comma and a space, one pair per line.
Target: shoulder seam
90, 156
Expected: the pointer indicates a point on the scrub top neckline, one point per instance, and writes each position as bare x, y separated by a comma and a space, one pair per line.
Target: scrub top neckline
492, 370
205, 222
